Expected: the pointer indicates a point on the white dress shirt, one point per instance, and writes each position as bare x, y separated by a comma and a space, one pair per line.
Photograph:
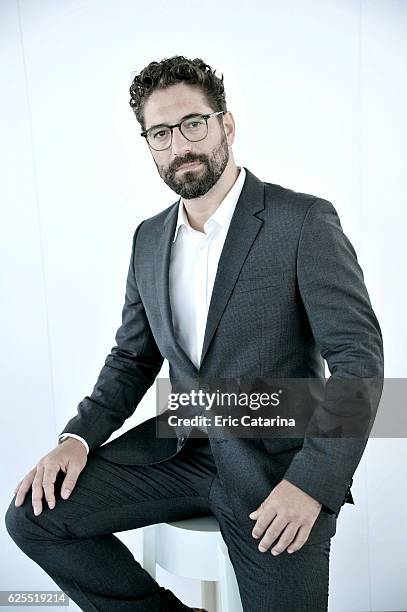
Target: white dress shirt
194, 262
193, 265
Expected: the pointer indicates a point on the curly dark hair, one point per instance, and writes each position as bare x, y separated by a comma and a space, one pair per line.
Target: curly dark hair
176, 69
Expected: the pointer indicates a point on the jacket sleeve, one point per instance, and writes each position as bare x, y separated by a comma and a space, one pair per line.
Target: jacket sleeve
129, 370
348, 335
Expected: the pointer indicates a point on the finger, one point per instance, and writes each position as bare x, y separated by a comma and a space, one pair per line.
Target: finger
266, 517
272, 533
48, 482
285, 539
69, 482
300, 539
24, 487
255, 513
22, 491
37, 491
17, 487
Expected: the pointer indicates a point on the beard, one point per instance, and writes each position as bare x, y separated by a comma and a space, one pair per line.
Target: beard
197, 182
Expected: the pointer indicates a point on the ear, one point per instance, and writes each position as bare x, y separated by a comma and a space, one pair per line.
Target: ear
229, 126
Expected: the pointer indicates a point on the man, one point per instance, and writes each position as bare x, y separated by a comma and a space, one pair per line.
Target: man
239, 278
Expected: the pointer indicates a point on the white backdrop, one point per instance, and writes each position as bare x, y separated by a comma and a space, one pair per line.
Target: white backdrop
318, 92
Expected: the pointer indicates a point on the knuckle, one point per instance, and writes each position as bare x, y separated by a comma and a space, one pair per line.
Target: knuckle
284, 539
308, 522
74, 469
284, 542
265, 541
269, 538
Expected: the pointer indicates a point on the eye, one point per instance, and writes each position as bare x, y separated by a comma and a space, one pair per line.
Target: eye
194, 123
160, 134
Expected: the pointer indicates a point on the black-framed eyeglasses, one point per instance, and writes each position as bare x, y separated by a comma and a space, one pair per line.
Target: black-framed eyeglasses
193, 128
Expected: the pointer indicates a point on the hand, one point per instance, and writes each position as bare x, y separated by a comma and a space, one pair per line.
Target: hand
287, 508
70, 456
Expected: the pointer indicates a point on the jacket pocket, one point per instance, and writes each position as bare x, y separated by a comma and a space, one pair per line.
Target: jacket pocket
253, 283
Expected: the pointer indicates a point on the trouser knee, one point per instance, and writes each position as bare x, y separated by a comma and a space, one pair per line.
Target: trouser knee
17, 521
23, 526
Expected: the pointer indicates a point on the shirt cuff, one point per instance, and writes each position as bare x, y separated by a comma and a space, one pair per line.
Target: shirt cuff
69, 435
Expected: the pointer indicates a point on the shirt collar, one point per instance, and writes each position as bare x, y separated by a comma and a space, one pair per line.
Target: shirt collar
223, 214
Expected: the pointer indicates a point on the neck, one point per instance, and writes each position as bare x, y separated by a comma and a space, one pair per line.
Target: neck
200, 209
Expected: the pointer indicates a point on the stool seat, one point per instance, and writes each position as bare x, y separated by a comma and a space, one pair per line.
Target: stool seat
201, 523
186, 548
194, 548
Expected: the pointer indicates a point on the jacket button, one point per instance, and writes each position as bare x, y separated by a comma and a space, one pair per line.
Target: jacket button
182, 440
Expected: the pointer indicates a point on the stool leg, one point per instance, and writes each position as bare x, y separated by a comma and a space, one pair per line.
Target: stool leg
149, 556
229, 590
208, 595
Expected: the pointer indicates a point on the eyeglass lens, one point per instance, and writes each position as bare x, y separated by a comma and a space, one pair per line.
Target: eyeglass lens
193, 128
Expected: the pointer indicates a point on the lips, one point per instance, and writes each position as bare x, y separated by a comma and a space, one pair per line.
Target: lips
189, 165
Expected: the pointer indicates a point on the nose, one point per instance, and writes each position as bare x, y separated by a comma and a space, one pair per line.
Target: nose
180, 144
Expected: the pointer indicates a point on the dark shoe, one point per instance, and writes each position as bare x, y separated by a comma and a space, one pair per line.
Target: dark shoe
172, 604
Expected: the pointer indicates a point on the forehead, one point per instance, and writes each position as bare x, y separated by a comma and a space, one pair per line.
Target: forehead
170, 104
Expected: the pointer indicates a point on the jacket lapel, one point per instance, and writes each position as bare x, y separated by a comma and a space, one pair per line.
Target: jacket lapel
243, 229
162, 268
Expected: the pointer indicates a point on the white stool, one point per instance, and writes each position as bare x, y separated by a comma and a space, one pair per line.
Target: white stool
194, 548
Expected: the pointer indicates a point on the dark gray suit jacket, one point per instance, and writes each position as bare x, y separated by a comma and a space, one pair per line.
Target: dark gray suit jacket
289, 293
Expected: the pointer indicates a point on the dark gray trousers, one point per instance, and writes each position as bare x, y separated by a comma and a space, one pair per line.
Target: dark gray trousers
75, 545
